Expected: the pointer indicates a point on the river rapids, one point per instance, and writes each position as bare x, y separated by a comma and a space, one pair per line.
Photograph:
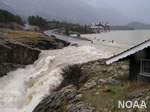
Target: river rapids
23, 89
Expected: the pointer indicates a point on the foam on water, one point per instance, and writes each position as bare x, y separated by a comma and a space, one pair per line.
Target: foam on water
23, 89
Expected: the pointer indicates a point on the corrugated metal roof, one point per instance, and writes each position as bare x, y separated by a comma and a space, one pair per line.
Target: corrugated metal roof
129, 52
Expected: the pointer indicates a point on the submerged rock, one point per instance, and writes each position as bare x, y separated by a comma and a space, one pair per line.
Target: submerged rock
46, 44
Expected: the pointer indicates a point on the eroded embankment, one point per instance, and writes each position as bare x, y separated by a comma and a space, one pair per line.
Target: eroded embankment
20, 48
14, 54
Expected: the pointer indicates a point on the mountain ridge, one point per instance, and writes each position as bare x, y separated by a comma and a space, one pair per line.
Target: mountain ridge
139, 25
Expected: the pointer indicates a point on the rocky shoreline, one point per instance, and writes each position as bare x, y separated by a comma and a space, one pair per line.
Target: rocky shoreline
104, 87
70, 98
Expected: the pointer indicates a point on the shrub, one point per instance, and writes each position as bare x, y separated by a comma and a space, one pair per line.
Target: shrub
73, 75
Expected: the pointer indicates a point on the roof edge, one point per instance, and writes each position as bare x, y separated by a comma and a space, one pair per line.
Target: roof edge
129, 52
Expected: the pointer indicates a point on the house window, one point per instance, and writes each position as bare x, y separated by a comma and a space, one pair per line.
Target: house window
145, 67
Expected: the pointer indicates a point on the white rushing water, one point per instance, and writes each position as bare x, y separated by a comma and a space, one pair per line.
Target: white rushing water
23, 89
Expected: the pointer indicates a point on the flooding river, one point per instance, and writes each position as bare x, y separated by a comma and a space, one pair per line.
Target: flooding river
131, 37
23, 89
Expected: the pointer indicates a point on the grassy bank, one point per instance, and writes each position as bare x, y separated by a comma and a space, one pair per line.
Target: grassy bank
105, 96
23, 36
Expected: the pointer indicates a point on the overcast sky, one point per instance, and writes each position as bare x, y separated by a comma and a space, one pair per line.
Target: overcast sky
86, 11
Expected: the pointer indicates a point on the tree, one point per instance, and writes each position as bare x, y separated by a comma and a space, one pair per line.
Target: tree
67, 31
37, 20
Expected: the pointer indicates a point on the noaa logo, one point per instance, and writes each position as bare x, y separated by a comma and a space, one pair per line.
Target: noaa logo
130, 104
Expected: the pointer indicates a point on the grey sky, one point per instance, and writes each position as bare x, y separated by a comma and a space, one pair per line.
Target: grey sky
86, 11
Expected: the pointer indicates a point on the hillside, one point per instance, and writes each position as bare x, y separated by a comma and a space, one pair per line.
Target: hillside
7, 17
11, 21
121, 28
139, 25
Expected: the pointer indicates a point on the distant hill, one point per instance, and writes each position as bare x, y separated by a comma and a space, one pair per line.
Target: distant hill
7, 17
139, 25
121, 28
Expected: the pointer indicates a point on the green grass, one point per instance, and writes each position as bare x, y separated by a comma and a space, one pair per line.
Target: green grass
118, 93
109, 100
23, 36
105, 99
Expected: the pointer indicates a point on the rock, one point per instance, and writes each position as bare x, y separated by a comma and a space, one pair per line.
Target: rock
12, 25
124, 67
90, 84
76, 45
19, 50
79, 96
120, 72
135, 94
111, 68
80, 107
8, 67
109, 81
46, 44
141, 110
15, 54
112, 81
102, 81
147, 98
97, 93
34, 28
106, 110
99, 86
106, 89
57, 100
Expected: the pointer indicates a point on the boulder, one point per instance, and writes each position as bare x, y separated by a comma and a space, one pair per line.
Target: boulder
135, 94
80, 107
35, 28
90, 84
57, 100
109, 81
